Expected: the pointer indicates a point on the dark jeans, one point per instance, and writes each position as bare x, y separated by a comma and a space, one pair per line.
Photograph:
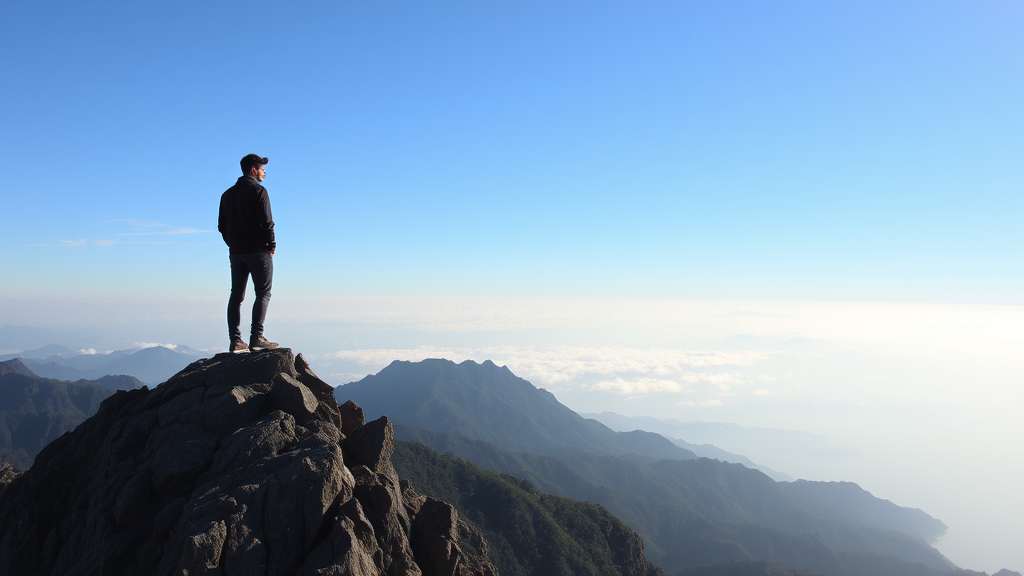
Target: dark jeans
261, 266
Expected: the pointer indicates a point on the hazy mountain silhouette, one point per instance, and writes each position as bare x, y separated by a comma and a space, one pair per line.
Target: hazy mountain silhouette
150, 365
716, 453
738, 439
744, 568
690, 511
23, 337
40, 353
111, 381
852, 502
489, 403
701, 450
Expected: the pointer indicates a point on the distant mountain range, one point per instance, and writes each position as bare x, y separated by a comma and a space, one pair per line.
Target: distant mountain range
612, 420
691, 512
13, 338
151, 365
34, 411
751, 442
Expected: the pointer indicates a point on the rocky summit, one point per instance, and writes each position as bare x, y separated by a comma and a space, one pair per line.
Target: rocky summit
238, 465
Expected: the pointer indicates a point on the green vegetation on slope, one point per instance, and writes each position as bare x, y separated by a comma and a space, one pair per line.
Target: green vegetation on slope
529, 533
34, 411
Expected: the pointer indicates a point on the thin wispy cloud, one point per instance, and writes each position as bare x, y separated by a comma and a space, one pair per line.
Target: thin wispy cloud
79, 242
104, 242
172, 232
127, 227
151, 228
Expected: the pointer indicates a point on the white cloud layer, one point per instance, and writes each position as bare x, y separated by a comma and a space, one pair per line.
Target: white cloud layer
708, 404
641, 387
620, 369
154, 344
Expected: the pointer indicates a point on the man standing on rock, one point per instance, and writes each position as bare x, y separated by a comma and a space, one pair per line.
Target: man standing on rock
247, 226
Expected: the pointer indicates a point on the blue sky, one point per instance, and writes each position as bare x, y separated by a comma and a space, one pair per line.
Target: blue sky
781, 150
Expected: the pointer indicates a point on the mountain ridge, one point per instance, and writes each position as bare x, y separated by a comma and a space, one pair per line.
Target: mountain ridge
512, 412
636, 487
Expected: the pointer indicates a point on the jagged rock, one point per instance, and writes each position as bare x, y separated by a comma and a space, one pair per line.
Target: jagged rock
323, 392
291, 396
469, 542
435, 534
351, 417
236, 465
372, 444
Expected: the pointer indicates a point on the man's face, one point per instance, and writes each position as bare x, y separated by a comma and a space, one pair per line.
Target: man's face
258, 172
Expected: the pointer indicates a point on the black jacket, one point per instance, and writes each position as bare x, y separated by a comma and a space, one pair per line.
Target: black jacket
245, 221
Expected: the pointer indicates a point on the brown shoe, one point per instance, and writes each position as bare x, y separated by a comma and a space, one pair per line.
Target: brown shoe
237, 345
261, 343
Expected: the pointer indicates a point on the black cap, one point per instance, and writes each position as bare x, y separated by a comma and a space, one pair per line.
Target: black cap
251, 160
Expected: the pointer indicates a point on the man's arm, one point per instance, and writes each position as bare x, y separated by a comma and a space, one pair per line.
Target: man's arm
267, 225
222, 218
